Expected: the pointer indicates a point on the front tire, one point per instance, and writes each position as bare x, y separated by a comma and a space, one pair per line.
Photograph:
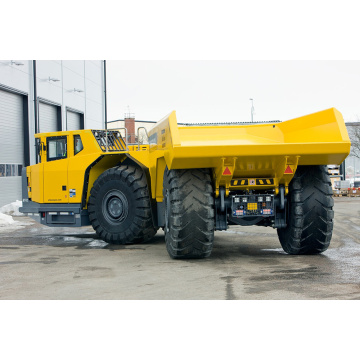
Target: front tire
310, 215
189, 213
119, 206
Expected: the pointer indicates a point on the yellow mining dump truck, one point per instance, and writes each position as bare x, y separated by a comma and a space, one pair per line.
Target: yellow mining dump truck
191, 181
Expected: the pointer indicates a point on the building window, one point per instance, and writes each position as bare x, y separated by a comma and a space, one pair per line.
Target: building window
56, 148
7, 170
78, 146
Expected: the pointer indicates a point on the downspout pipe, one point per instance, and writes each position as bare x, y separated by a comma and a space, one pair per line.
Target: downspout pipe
105, 95
35, 98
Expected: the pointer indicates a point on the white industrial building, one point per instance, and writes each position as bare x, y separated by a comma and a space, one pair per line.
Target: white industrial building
42, 96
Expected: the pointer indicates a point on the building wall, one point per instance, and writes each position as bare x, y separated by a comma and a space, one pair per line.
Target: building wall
86, 77
76, 85
16, 76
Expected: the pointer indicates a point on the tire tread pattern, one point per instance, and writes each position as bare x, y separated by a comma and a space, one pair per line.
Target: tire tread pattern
310, 220
190, 232
142, 228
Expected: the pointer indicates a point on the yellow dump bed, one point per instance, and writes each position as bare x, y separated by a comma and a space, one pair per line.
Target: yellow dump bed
318, 139
254, 150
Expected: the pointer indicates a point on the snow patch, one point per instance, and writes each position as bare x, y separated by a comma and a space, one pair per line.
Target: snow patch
12, 208
276, 250
96, 243
6, 220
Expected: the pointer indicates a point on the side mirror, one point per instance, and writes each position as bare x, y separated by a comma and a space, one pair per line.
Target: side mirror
38, 147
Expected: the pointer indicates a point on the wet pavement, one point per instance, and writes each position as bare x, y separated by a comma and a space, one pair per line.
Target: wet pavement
38, 262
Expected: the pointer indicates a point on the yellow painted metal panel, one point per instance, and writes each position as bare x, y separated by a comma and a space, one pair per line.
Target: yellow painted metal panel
107, 162
36, 175
55, 181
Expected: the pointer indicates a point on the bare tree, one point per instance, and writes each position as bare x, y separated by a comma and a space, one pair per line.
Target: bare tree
355, 141
354, 134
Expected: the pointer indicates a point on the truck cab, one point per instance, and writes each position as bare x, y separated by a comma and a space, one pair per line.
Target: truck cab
49, 179
53, 188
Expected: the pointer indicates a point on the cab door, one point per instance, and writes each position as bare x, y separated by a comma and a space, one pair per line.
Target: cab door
36, 175
56, 170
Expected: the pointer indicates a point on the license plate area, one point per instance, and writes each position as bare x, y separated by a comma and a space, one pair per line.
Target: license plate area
252, 205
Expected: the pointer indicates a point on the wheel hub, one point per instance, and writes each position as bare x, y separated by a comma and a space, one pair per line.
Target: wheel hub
115, 206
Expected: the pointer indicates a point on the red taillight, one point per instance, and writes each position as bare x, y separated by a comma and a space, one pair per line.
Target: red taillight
43, 214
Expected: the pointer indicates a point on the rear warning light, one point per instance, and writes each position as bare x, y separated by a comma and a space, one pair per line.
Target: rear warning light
227, 171
288, 170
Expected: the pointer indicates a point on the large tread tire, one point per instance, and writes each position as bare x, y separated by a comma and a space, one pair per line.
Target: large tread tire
127, 186
310, 214
189, 213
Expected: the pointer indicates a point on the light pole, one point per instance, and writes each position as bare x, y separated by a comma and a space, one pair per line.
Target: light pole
252, 110
354, 169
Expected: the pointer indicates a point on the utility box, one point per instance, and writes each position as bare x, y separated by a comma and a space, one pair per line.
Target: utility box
342, 184
341, 187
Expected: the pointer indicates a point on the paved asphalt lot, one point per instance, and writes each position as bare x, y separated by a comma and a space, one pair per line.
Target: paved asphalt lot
38, 262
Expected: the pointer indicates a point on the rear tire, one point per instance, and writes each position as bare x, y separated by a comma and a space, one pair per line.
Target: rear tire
310, 214
119, 206
189, 213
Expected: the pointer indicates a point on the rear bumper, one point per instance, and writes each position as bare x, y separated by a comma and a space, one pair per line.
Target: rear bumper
56, 215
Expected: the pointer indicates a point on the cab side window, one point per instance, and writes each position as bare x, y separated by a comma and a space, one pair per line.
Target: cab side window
56, 148
78, 146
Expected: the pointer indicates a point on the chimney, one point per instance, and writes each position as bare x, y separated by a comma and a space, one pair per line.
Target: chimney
130, 127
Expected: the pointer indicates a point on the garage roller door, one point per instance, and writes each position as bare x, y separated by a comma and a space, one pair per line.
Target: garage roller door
47, 118
73, 120
11, 146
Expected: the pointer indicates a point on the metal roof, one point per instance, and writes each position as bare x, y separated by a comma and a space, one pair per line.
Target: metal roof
355, 123
230, 123
207, 124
